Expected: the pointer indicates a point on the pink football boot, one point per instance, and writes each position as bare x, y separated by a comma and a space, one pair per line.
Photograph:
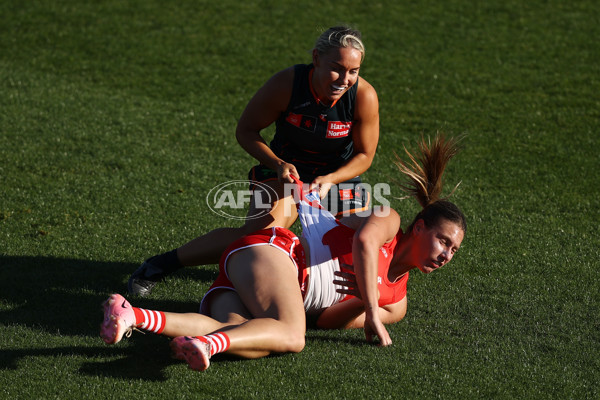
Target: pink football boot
119, 319
193, 351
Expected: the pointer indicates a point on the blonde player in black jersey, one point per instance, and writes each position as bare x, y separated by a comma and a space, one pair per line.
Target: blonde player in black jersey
327, 130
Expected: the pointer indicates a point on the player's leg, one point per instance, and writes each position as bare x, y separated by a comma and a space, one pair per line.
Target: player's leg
207, 249
120, 318
267, 284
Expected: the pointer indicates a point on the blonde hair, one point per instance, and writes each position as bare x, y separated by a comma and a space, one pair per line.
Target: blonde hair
340, 36
425, 180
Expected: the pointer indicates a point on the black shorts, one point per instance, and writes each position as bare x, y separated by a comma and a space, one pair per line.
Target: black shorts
344, 198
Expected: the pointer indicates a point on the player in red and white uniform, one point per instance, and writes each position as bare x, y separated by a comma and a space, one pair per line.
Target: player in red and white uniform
270, 279
327, 130
330, 244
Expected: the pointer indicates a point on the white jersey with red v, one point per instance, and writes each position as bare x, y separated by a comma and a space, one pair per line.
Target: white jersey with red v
316, 223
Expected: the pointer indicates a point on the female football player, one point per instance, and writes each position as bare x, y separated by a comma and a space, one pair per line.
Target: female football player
270, 279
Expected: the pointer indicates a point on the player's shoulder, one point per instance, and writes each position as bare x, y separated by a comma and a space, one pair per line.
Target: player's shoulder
278, 88
365, 89
367, 102
383, 216
283, 77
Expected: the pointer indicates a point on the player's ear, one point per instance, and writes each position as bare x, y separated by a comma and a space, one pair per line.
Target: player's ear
315, 57
418, 227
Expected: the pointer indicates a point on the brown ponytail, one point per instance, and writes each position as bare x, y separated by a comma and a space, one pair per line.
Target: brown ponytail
425, 183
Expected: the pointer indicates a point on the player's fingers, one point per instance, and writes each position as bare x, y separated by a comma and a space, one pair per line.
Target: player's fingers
385, 341
323, 189
285, 177
349, 267
348, 291
293, 171
383, 335
343, 283
346, 275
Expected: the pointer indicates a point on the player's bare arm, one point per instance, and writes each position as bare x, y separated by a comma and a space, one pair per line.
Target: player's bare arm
262, 110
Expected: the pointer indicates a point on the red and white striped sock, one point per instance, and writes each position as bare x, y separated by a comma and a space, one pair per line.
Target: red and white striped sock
219, 342
149, 320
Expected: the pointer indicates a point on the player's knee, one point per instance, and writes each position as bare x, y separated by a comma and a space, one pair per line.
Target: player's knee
295, 342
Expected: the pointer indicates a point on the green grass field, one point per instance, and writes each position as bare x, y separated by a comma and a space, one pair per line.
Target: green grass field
118, 117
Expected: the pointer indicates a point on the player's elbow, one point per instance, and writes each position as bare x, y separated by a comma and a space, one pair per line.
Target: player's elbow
366, 160
241, 135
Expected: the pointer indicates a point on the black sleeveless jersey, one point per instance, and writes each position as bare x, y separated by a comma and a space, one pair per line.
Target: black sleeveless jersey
317, 139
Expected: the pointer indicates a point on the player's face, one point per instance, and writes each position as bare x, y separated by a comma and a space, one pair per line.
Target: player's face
335, 72
436, 246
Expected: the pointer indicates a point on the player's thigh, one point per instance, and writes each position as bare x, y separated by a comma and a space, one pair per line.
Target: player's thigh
226, 306
267, 283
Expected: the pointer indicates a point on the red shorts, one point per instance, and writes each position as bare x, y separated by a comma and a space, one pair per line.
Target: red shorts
280, 238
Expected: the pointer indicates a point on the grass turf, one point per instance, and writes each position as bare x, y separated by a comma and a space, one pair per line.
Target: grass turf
116, 119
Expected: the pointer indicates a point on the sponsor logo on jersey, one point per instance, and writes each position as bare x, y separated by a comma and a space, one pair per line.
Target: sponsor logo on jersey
346, 194
302, 121
338, 129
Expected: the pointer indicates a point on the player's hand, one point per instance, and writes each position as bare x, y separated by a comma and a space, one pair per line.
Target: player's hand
347, 281
322, 184
374, 327
284, 171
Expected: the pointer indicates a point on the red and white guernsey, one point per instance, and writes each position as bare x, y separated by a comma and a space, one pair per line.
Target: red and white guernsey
330, 248
330, 244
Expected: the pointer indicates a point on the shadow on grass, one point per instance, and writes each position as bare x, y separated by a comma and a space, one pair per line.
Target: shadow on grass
323, 336
64, 296
132, 362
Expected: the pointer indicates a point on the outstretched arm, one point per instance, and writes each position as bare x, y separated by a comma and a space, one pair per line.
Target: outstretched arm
377, 229
372, 232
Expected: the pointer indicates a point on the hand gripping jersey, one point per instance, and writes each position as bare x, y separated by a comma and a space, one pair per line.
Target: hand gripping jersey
316, 138
330, 248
